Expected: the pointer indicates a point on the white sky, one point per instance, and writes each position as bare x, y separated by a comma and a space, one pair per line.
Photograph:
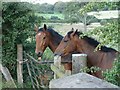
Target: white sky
44, 1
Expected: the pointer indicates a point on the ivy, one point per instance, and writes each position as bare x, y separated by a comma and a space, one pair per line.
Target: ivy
17, 26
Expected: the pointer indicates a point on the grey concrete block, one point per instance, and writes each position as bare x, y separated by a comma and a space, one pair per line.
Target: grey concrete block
80, 80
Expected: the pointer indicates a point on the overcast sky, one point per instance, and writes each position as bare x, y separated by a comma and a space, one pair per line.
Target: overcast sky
45, 1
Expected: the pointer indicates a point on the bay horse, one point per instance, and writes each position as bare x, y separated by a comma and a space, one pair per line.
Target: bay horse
47, 37
101, 58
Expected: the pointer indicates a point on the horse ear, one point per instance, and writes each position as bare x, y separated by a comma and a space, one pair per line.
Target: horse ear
45, 27
72, 29
36, 28
73, 34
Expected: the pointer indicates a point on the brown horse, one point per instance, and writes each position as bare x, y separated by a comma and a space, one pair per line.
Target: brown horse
47, 37
101, 58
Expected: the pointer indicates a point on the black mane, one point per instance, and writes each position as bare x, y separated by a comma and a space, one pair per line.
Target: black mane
95, 43
56, 37
92, 42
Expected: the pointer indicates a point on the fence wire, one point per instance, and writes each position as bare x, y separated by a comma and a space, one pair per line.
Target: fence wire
39, 72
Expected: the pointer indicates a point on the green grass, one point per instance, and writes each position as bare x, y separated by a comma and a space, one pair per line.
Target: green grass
48, 16
48, 54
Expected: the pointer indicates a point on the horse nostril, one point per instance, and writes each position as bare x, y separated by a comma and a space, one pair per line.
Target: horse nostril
59, 54
55, 54
39, 54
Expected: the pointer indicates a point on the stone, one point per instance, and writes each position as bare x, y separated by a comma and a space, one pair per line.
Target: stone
80, 80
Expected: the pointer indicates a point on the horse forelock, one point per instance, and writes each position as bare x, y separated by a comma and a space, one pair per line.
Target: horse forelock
77, 33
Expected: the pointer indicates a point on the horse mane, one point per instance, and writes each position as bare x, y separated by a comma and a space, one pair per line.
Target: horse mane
92, 42
95, 43
57, 37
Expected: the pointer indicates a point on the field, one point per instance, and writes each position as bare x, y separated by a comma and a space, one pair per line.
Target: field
63, 28
48, 16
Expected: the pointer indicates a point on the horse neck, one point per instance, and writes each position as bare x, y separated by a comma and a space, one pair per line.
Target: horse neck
54, 42
84, 47
52, 46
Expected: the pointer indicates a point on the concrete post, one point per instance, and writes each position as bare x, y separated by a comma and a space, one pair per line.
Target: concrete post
79, 61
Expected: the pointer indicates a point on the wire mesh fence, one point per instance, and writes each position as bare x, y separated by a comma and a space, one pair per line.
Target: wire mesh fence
38, 72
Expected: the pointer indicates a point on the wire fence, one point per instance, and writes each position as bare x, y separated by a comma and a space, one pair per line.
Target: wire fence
39, 72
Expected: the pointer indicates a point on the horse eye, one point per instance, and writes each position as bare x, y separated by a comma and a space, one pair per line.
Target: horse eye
65, 40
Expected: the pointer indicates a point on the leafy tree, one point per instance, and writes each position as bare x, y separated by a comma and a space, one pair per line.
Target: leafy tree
44, 8
17, 26
79, 10
72, 13
101, 6
59, 7
72, 9
107, 34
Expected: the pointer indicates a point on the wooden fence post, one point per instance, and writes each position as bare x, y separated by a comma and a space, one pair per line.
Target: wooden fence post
79, 61
19, 64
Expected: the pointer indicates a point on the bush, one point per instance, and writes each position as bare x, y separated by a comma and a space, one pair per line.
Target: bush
17, 26
107, 34
103, 22
54, 18
113, 75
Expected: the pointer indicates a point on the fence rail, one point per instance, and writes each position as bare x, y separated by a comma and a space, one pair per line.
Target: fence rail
45, 61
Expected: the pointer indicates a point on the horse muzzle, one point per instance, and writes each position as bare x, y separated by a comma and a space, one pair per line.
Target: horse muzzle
59, 54
40, 54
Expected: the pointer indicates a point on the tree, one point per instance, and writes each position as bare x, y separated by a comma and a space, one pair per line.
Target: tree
72, 13
17, 24
95, 6
59, 7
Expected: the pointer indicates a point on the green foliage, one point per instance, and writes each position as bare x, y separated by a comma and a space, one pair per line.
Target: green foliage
45, 8
107, 34
56, 17
59, 7
72, 10
92, 69
48, 54
113, 75
103, 22
76, 12
73, 13
99, 6
17, 26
